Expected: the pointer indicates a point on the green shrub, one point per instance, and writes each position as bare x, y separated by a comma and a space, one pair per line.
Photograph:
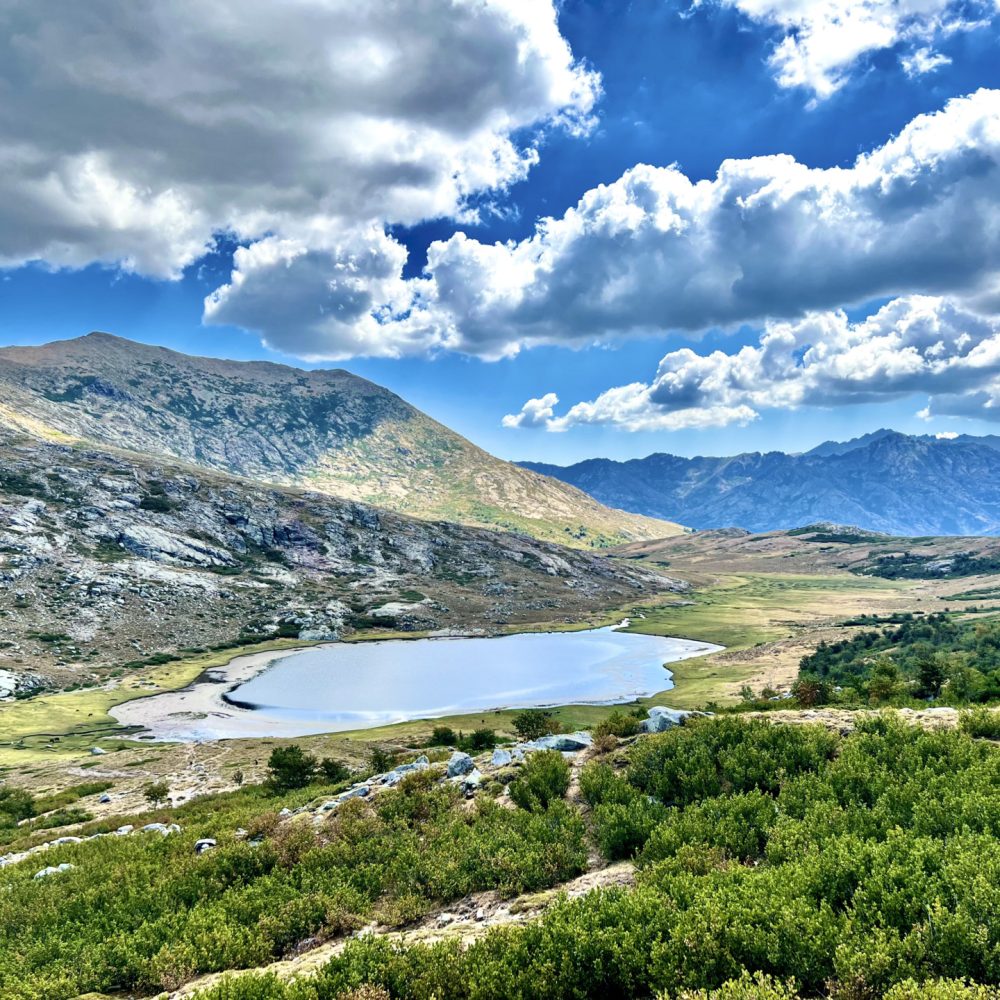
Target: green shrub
443, 736
980, 722
156, 503
332, 771
543, 779
599, 784
621, 829
618, 724
63, 817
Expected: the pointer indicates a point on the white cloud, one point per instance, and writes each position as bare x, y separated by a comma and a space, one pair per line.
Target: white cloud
142, 129
922, 61
912, 345
534, 413
767, 238
821, 41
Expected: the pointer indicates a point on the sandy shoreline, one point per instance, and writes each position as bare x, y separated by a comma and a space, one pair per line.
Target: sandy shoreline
199, 707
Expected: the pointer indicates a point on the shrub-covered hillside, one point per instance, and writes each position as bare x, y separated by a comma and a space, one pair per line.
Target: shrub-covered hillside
773, 860
925, 657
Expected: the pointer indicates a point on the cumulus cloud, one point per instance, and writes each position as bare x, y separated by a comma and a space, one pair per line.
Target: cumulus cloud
913, 345
767, 238
534, 413
143, 129
821, 41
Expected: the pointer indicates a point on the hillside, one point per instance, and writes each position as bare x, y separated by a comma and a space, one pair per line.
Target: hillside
327, 430
888, 482
107, 558
821, 550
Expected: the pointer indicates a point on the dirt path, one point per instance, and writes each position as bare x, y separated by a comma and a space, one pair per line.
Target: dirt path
467, 919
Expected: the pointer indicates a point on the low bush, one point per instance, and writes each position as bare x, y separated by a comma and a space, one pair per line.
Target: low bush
981, 722
543, 779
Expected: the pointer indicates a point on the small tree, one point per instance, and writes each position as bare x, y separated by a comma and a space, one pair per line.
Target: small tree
746, 693
380, 759
156, 792
930, 676
333, 771
885, 683
237, 778
810, 691
533, 723
480, 739
290, 767
443, 736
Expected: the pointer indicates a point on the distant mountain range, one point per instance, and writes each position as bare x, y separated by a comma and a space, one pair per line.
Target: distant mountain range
325, 430
885, 481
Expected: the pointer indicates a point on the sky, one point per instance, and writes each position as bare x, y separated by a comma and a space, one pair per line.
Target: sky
566, 230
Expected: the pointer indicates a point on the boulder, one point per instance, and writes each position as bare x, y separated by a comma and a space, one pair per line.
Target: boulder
124, 831
459, 763
501, 757
565, 742
161, 828
54, 870
470, 782
97, 752
66, 840
205, 844
104, 799
661, 719
358, 792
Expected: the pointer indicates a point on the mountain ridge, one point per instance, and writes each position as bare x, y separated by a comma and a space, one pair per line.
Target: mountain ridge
322, 429
886, 481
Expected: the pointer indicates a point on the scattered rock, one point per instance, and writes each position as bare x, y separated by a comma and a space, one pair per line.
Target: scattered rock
661, 719
104, 799
501, 758
54, 870
97, 752
459, 763
566, 742
205, 844
161, 828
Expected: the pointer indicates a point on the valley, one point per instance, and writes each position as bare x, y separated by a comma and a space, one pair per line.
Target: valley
152, 567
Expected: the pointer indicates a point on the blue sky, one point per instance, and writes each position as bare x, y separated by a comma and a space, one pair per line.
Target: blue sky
681, 86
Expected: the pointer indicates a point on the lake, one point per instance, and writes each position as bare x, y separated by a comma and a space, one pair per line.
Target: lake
341, 686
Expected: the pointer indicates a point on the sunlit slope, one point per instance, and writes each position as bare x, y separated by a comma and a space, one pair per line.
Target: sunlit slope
327, 429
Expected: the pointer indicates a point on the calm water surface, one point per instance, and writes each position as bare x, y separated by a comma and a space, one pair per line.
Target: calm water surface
352, 685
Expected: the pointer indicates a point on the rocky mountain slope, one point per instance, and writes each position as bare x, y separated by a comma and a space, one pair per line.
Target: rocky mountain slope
327, 430
889, 482
106, 557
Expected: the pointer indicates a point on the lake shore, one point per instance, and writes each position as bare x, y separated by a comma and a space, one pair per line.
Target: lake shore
208, 709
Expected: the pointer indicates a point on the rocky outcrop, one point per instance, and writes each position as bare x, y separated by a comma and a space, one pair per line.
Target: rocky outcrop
134, 557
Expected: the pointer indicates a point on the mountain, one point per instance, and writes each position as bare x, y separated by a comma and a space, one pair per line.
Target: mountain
890, 482
327, 430
106, 557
